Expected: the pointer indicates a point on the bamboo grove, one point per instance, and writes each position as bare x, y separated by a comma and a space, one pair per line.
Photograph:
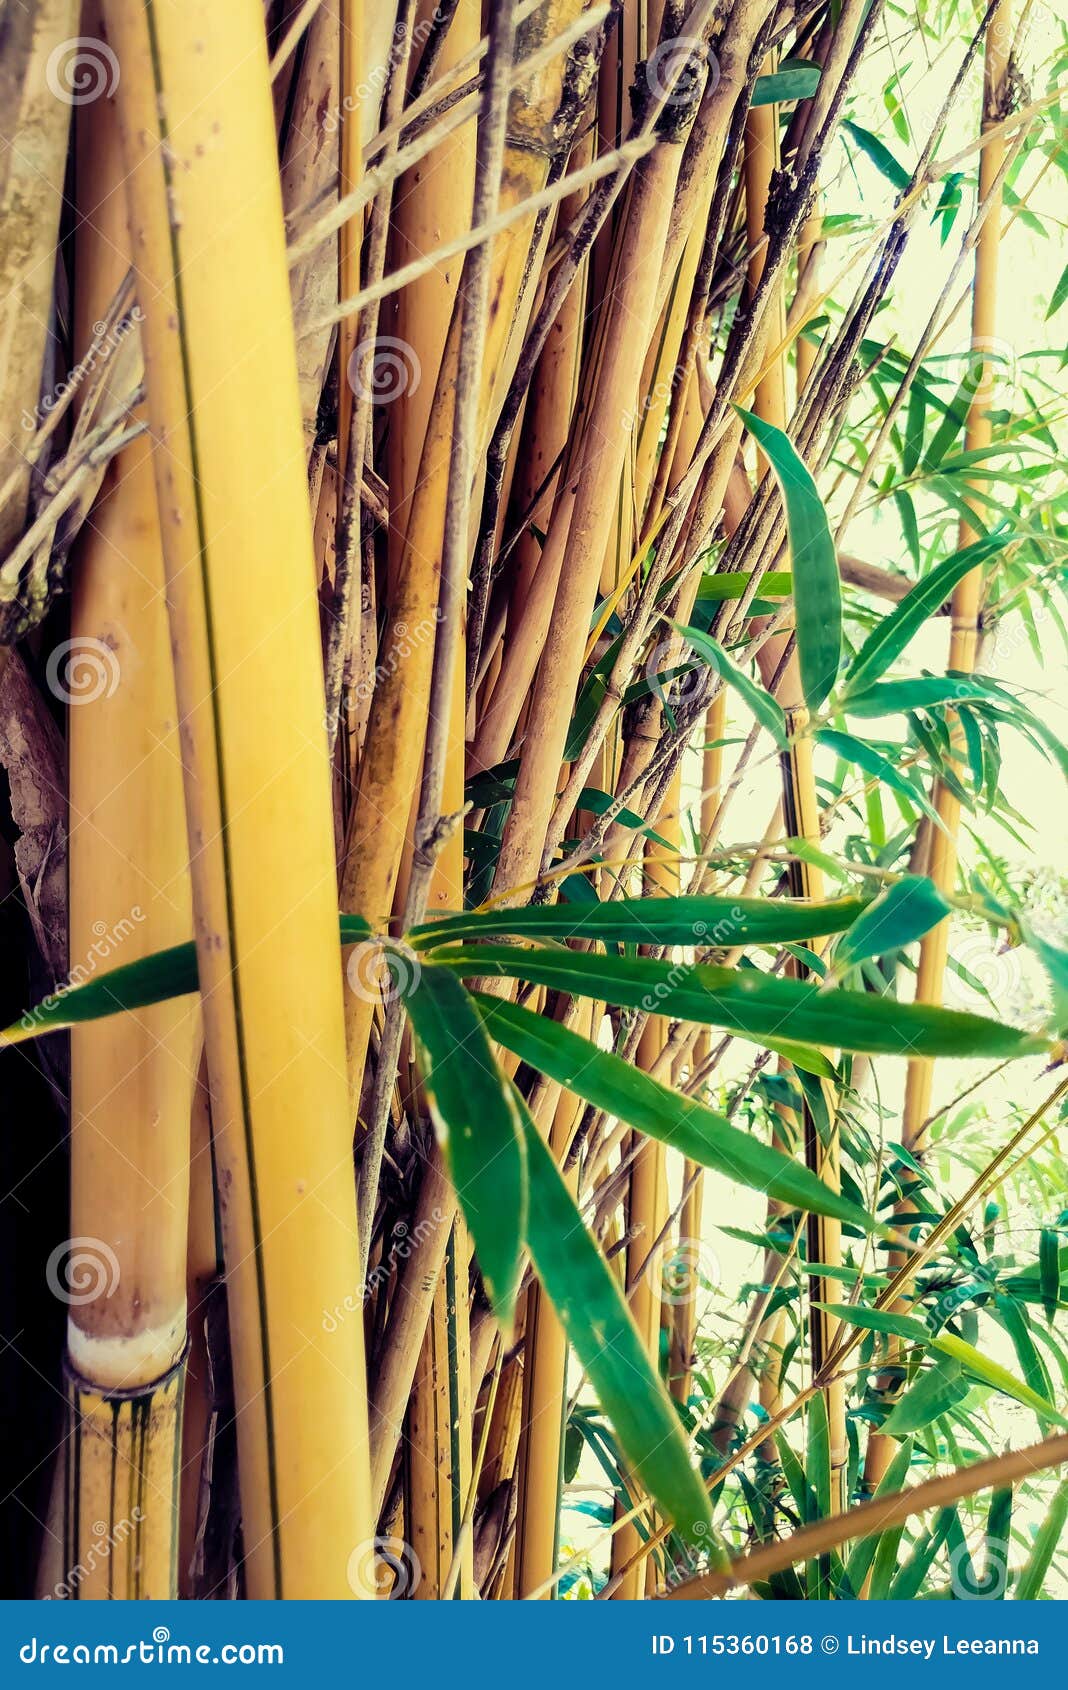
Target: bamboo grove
458, 462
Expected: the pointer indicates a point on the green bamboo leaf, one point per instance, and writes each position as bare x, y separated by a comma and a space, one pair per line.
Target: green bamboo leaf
602, 1332
880, 155
892, 634
732, 583
903, 912
866, 757
749, 1002
937, 1390
859, 1564
1032, 1580
818, 1475
699, 921
906, 1586
993, 1374
681, 1122
796, 79
814, 561
766, 709
1059, 295
880, 1320
478, 1124
171, 973
1049, 1269
925, 692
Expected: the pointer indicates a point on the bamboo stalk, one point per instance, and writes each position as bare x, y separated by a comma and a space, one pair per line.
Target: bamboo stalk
881, 1514
942, 841
129, 895
800, 802
237, 547
37, 42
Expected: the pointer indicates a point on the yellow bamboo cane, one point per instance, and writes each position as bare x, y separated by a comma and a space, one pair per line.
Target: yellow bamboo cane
206, 230
942, 863
129, 895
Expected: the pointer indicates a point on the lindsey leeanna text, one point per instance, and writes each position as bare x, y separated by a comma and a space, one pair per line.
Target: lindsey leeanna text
928, 1646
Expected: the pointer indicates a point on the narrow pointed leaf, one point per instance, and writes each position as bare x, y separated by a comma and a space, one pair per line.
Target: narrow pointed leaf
477, 1122
1032, 1580
766, 709
892, 634
814, 561
751, 1003
656, 921
993, 1374
600, 1328
170, 973
904, 912
681, 1122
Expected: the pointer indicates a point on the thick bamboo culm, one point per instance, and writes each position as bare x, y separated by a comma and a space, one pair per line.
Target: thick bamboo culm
941, 865
236, 531
131, 1092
